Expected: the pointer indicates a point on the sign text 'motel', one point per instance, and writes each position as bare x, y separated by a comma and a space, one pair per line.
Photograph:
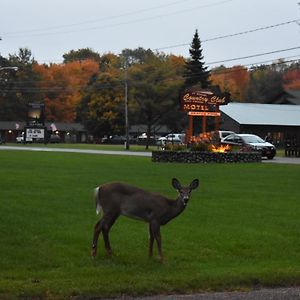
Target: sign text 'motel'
201, 101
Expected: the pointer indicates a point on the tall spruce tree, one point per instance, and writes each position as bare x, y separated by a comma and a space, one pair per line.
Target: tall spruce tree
196, 73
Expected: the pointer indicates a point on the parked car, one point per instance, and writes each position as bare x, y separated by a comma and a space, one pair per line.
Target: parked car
54, 138
252, 141
173, 138
114, 139
217, 136
20, 139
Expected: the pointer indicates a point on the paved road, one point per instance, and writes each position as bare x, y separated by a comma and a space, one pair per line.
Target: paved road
90, 151
281, 160
261, 294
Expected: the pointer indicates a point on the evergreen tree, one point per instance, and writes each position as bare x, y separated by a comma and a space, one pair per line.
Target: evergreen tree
195, 71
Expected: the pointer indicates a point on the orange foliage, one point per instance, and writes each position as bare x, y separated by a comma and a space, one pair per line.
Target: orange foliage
233, 80
62, 84
292, 79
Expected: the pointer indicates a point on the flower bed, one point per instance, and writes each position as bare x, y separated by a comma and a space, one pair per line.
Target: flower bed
205, 157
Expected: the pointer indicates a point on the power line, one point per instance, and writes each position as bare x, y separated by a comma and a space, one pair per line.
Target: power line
233, 34
100, 19
182, 11
251, 56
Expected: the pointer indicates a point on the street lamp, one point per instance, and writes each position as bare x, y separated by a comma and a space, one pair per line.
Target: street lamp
126, 106
9, 68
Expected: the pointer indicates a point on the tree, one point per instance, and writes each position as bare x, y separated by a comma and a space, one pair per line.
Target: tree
137, 56
233, 80
265, 83
62, 86
154, 86
81, 55
19, 88
292, 77
195, 71
101, 109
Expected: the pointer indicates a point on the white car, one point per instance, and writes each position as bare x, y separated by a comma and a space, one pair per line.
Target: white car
173, 138
20, 139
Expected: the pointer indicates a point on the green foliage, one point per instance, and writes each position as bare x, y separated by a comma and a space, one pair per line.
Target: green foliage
102, 113
196, 73
151, 88
81, 54
18, 88
237, 230
265, 83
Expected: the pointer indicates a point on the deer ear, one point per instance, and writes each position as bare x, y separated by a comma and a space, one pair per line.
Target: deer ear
176, 184
194, 184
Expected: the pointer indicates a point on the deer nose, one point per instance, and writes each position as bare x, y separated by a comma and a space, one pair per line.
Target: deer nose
185, 199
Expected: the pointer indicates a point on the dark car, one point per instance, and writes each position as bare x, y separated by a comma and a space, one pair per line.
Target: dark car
114, 139
54, 138
253, 142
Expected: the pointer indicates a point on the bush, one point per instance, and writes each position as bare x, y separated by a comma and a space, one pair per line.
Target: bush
175, 147
201, 146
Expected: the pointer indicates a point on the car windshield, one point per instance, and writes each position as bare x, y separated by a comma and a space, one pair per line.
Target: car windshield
253, 139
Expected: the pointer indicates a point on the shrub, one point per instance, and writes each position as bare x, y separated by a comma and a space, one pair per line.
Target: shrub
175, 147
201, 146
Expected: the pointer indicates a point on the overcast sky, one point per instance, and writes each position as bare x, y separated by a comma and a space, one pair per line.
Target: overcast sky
50, 28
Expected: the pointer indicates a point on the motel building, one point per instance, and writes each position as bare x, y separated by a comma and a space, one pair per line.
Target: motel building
281, 120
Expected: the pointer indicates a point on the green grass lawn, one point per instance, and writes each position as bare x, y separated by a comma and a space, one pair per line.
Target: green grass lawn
240, 229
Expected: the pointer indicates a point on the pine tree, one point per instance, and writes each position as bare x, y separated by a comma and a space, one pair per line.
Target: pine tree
195, 71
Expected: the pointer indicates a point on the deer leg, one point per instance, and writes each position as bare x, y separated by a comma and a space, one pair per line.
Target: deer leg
151, 240
107, 224
97, 231
155, 228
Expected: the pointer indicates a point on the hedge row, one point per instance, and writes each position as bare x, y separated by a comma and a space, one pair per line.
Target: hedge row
205, 157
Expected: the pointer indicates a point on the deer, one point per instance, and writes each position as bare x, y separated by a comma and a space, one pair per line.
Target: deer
117, 198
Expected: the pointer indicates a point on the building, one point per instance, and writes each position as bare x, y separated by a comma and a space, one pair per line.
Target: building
282, 121
68, 132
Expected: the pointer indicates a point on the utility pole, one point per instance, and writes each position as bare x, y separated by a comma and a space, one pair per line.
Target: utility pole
126, 106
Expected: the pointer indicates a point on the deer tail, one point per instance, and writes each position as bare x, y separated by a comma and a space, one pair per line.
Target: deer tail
97, 200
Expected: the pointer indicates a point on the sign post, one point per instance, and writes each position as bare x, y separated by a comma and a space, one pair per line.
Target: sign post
35, 129
200, 103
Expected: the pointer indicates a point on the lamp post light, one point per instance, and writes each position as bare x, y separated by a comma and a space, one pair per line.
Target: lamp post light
126, 106
9, 68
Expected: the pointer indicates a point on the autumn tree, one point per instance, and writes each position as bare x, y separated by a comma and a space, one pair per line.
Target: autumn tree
233, 80
62, 86
291, 78
195, 71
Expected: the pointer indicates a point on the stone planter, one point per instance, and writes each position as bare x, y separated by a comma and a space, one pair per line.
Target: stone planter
205, 157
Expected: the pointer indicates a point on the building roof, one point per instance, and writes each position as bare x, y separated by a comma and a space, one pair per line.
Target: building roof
263, 114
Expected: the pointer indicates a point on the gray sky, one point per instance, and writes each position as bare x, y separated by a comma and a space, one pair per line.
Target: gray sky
51, 28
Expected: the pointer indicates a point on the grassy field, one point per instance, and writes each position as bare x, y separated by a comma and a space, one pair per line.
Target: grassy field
240, 229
